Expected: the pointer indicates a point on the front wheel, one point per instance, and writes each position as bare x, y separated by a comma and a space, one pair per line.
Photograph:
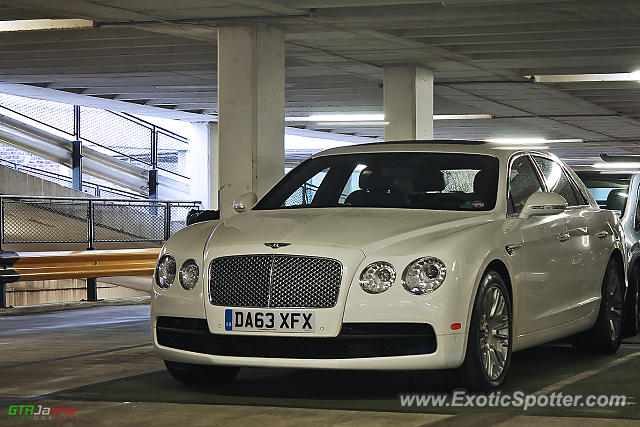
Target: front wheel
488, 355
606, 334
189, 374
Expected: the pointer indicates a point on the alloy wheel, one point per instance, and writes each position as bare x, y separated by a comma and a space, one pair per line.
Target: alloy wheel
494, 332
614, 301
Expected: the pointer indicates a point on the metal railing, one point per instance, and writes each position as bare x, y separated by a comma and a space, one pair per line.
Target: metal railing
87, 186
125, 136
42, 219
90, 264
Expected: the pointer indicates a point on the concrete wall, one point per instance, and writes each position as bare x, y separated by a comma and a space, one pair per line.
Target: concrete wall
48, 291
15, 182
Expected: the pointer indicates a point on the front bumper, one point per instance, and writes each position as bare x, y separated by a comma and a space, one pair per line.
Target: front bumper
380, 346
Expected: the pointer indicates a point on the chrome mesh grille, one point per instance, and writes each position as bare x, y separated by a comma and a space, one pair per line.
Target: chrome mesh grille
276, 281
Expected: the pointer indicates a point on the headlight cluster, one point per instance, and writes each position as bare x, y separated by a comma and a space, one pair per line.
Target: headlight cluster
166, 270
377, 277
422, 276
189, 273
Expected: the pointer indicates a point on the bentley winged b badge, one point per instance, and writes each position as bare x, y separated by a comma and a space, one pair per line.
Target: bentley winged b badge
276, 245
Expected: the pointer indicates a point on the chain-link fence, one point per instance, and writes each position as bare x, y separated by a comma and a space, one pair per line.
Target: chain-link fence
172, 153
123, 136
129, 141
70, 220
53, 114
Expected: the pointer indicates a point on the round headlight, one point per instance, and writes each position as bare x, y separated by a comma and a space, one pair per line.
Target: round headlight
424, 275
189, 273
377, 277
165, 271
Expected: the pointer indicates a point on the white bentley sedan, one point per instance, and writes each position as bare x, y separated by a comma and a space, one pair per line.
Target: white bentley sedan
395, 256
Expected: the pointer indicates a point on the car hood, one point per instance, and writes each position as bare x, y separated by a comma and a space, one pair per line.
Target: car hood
367, 229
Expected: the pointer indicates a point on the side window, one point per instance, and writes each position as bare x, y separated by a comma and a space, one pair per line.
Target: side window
304, 194
523, 182
556, 179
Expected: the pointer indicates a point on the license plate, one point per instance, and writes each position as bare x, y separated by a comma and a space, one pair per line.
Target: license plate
268, 320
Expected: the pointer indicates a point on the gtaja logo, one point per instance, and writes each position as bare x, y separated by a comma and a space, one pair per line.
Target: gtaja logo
41, 413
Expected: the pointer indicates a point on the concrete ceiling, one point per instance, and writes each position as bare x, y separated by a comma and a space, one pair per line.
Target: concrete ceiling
162, 53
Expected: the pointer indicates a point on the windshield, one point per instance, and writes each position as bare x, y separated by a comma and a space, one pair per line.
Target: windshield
459, 182
610, 191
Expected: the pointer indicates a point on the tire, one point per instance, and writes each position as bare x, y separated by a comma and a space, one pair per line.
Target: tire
605, 336
488, 357
632, 305
201, 374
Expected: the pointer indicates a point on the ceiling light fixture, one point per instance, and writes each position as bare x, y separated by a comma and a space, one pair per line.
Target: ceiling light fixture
44, 24
350, 124
461, 116
377, 118
337, 118
617, 165
572, 78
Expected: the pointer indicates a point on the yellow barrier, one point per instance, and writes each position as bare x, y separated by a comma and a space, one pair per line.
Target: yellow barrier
85, 264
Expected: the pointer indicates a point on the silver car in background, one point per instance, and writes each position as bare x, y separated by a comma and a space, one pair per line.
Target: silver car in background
619, 192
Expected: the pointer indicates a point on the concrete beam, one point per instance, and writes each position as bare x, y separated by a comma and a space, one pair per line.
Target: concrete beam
408, 102
251, 111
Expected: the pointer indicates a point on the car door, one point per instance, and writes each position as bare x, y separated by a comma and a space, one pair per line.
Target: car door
538, 260
576, 273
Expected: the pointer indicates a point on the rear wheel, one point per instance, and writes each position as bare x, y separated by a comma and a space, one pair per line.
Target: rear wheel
632, 305
488, 356
606, 334
189, 374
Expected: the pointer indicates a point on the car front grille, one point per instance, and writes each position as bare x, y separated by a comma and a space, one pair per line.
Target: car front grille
274, 281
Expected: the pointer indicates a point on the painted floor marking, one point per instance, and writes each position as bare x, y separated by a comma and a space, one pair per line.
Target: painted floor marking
586, 374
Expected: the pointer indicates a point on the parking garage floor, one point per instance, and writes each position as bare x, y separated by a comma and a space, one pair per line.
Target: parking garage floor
100, 361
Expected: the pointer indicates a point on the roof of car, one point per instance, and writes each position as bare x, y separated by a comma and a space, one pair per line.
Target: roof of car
438, 146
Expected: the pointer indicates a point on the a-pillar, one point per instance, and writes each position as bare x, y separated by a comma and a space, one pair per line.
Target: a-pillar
250, 111
408, 102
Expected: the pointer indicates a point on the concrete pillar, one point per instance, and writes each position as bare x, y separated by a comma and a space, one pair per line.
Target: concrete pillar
204, 164
250, 111
408, 102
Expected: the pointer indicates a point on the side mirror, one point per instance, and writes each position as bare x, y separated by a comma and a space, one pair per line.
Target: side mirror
542, 204
244, 202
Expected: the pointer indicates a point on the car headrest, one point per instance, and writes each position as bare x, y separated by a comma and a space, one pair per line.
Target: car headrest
519, 188
617, 199
429, 180
483, 183
373, 181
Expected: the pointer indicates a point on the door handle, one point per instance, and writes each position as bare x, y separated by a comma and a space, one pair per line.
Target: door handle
563, 237
602, 234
